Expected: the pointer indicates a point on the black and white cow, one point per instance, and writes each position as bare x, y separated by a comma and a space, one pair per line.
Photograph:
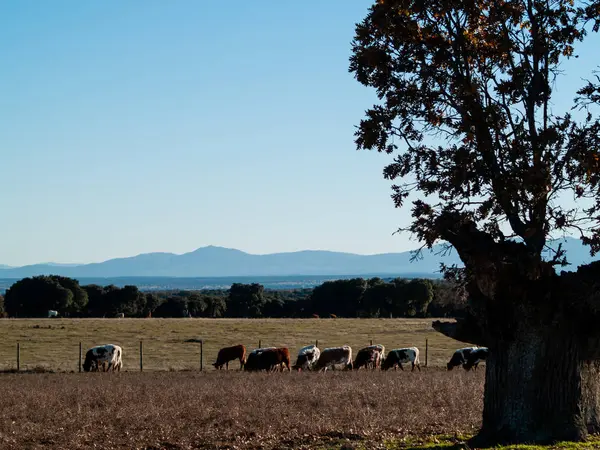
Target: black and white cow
395, 358
103, 354
270, 359
468, 357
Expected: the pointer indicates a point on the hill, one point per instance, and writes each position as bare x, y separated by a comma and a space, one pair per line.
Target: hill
214, 261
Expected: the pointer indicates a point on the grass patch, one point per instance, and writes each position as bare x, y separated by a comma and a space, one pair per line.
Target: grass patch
458, 442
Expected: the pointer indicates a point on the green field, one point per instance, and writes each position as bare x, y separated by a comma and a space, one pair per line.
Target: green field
53, 344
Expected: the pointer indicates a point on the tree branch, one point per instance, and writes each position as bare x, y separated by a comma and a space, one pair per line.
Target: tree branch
464, 330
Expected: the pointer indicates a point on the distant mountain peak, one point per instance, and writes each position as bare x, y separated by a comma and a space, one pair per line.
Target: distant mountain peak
217, 261
217, 248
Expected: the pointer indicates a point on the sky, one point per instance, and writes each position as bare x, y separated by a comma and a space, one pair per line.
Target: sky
149, 126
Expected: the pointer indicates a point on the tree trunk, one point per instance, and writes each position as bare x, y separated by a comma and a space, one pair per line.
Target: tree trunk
543, 369
539, 390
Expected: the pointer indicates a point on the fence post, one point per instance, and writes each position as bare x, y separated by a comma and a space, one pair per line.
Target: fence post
371, 342
80, 357
259, 343
201, 351
141, 356
317, 343
426, 351
18, 356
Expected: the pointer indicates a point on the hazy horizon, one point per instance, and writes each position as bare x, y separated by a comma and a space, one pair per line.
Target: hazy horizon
68, 263
139, 127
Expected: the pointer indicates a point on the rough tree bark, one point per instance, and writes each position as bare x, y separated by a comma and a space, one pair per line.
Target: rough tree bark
539, 388
543, 371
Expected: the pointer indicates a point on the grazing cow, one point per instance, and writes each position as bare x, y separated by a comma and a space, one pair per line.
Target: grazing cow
333, 316
307, 357
468, 357
270, 359
98, 356
335, 355
381, 349
315, 316
369, 357
52, 313
231, 354
120, 316
395, 358
476, 356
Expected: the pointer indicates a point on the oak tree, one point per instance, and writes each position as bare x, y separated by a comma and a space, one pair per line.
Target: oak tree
494, 168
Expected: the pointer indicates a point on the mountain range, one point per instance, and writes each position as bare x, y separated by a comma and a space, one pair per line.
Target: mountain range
215, 261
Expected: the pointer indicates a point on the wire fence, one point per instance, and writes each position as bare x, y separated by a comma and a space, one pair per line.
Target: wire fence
74, 362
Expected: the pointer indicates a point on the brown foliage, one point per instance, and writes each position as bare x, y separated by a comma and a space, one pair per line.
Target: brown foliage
206, 410
465, 94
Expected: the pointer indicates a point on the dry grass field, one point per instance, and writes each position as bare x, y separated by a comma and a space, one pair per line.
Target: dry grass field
53, 344
340, 410
185, 410
163, 408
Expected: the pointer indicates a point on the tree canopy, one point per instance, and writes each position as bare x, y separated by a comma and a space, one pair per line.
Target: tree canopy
32, 297
478, 77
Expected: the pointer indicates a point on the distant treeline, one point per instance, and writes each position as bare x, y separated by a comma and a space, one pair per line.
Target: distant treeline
357, 297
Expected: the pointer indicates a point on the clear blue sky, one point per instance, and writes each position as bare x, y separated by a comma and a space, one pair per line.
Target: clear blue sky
141, 126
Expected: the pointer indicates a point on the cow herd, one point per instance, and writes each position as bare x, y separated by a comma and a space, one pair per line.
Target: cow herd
109, 358
312, 358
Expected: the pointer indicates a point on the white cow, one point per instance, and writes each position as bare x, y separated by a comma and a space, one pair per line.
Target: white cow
307, 357
52, 313
332, 356
101, 355
120, 316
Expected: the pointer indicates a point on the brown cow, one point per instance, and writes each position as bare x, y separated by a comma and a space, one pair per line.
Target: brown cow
269, 359
369, 357
230, 354
335, 355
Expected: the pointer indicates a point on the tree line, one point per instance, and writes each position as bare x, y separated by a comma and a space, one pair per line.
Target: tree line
357, 297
